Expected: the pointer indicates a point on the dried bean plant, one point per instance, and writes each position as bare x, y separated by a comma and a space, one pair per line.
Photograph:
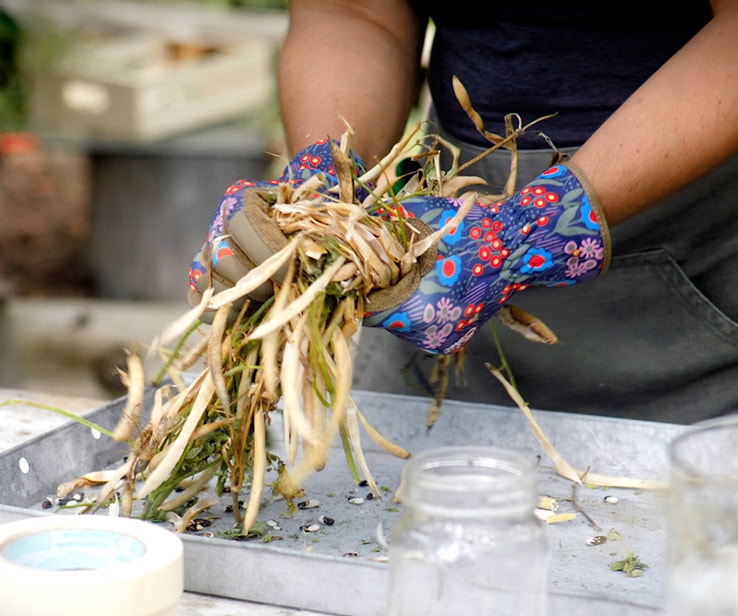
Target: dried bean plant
294, 348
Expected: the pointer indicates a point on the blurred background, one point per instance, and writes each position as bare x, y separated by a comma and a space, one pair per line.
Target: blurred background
121, 124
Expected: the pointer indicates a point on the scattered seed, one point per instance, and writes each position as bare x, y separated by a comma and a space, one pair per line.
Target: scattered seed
24, 466
229, 508
355, 500
273, 524
596, 540
78, 496
310, 528
610, 500
363, 483
350, 554
198, 524
370, 496
114, 506
308, 504
47, 503
326, 521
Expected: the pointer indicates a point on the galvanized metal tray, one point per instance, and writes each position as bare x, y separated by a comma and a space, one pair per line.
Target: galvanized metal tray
340, 568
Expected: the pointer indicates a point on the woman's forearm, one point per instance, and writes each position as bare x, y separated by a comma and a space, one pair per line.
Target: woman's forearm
357, 61
678, 125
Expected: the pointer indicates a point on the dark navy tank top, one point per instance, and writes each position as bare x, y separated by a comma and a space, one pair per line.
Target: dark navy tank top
579, 59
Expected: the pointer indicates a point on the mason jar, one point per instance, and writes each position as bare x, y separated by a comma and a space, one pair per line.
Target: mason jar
702, 519
468, 541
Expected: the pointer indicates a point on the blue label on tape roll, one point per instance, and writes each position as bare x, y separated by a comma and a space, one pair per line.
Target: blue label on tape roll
73, 549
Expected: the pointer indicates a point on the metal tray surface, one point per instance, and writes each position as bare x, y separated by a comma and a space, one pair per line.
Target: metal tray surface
341, 568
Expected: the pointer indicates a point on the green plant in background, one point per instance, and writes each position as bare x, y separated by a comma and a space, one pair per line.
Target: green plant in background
13, 87
26, 46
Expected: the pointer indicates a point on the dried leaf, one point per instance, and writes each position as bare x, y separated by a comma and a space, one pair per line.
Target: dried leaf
215, 355
525, 324
562, 466
343, 172
205, 390
191, 491
300, 303
258, 469
134, 400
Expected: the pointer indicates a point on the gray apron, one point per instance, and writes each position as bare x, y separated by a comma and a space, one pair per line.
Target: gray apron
656, 338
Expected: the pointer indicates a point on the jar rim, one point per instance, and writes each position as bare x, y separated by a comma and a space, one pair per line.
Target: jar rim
512, 460
480, 477
693, 452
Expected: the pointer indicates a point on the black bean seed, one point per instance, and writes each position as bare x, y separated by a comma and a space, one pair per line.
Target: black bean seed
308, 504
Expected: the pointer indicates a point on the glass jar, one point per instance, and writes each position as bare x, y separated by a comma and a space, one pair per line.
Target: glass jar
468, 541
702, 515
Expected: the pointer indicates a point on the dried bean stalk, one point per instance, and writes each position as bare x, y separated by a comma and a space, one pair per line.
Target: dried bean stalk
291, 347
289, 350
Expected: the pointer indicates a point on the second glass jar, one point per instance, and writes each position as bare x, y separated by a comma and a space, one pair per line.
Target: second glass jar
468, 541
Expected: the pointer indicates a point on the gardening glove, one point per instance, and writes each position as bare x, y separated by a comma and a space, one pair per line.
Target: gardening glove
243, 235
551, 233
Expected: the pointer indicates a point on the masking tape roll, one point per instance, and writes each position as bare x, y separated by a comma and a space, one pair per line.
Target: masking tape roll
86, 565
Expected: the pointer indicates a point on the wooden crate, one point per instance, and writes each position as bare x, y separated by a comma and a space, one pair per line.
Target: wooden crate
139, 85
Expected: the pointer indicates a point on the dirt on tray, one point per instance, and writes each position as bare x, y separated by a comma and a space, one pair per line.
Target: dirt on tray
44, 219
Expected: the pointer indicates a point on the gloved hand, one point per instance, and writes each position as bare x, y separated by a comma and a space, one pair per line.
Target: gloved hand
242, 235
550, 233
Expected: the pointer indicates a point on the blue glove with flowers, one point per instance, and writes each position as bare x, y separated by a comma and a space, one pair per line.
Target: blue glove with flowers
551, 233
241, 234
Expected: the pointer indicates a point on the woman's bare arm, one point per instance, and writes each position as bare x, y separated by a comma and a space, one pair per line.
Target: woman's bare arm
678, 125
359, 61
352, 60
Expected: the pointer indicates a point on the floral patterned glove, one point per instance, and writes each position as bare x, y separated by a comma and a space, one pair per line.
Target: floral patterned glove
550, 233
242, 235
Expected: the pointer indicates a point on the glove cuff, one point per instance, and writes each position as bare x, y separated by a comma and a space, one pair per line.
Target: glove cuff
597, 214
317, 158
563, 236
